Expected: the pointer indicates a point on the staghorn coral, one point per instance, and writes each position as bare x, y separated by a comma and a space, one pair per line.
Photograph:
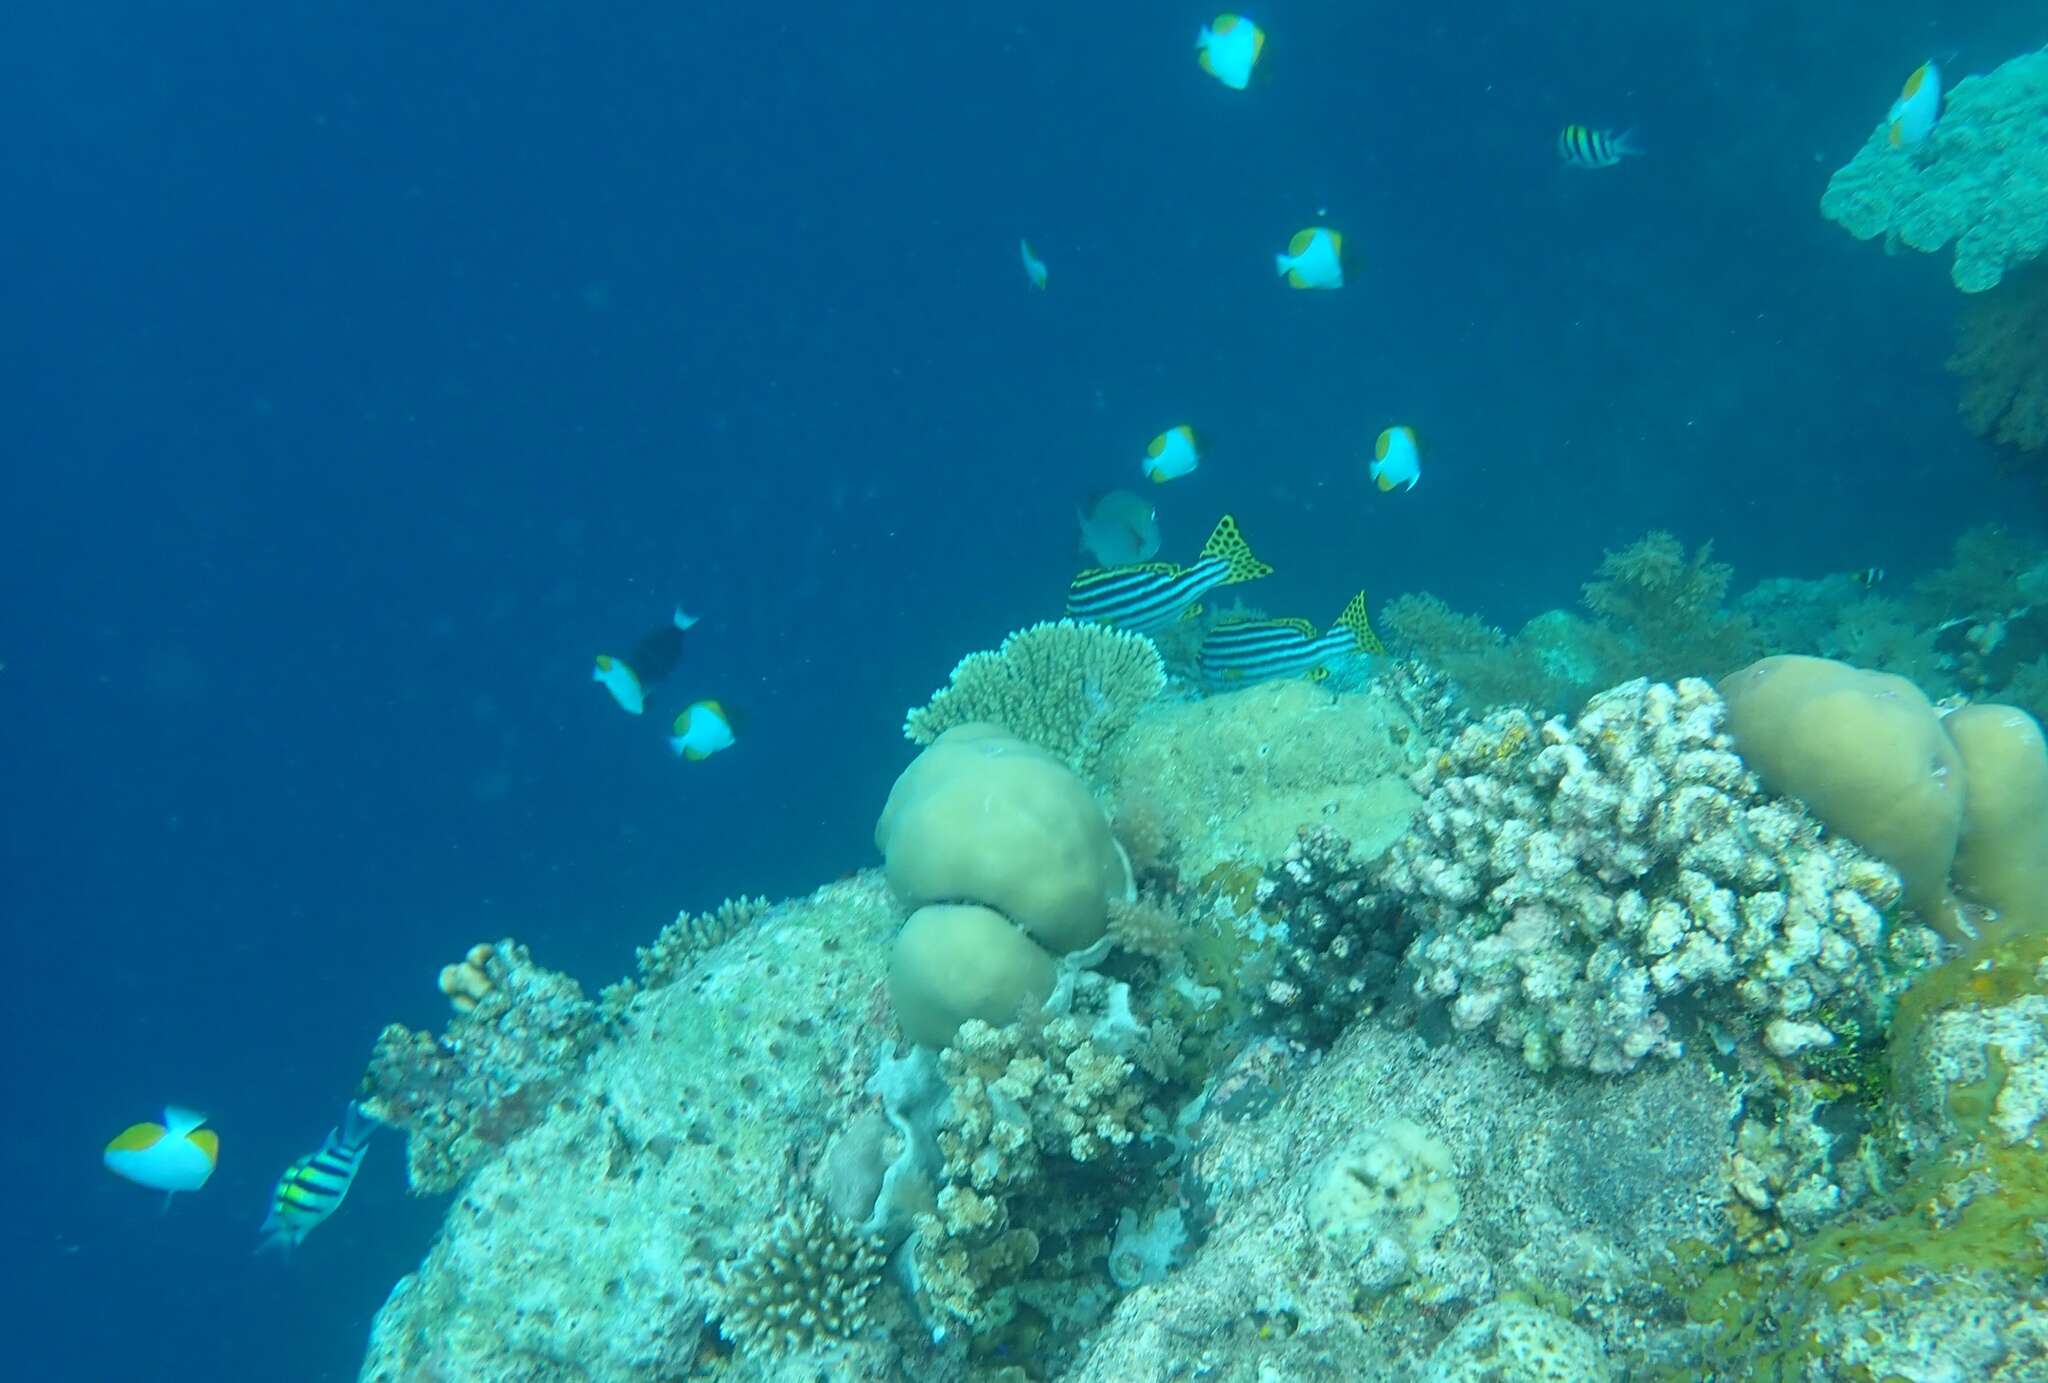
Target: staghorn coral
491, 1074
808, 1282
1979, 179
1066, 687
1572, 879
2002, 359
1668, 606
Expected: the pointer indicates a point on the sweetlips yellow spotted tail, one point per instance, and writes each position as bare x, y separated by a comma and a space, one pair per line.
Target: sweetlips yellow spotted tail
1259, 649
1143, 596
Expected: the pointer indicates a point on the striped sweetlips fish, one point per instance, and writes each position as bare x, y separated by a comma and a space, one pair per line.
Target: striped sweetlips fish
1144, 596
1257, 650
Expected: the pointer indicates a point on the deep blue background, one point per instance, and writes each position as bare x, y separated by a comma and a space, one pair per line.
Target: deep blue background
368, 367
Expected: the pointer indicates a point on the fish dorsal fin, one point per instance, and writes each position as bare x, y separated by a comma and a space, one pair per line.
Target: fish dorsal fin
1299, 626
1298, 246
1355, 619
1227, 543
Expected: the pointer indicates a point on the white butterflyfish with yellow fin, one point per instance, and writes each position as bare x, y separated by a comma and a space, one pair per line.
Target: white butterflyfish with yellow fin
313, 1187
175, 1155
1172, 454
1034, 267
704, 728
1913, 115
1228, 49
627, 679
1314, 259
1396, 459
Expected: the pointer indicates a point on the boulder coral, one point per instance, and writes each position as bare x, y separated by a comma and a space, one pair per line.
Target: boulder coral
984, 819
1980, 179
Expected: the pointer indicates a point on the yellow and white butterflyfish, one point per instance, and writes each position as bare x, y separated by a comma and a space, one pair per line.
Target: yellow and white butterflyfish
1034, 267
1396, 459
621, 681
312, 1188
1913, 115
1171, 455
702, 730
1314, 259
176, 1155
1228, 49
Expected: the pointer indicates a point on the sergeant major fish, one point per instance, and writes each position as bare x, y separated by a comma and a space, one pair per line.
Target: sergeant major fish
312, 1188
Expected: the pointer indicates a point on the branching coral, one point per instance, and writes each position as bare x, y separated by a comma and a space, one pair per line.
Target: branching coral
1573, 879
2002, 358
1064, 686
1979, 179
807, 1283
1669, 607
488, 1077
691, 934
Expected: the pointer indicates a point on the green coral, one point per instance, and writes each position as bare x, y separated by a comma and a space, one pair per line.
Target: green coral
1980, 179
1065, 686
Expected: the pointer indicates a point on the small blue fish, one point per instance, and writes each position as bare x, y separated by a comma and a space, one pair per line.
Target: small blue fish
1580, 147
312, 1188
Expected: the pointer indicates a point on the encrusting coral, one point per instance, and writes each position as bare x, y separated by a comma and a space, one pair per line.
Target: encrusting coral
490, 1075
1980, 178
1064, 686
807, 1282
1573, 879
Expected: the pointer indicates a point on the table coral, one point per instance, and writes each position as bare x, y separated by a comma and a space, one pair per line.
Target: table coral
1979, 179
1571, 879
1066, 687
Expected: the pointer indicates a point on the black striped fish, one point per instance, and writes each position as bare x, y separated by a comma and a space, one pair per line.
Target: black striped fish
312, 1188
1144, 596
1259, 649
1580, 147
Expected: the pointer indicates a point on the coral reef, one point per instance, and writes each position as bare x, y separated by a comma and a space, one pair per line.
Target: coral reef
1979, 179
469, 979
1334, 946
490, 1075
1656, 611
1232, 777
806, 1283
1008, 861
1510, 1341
589, 1246
1573, 879
1380, 1202
1068, 688
2001, 357
678, 945
1668, 607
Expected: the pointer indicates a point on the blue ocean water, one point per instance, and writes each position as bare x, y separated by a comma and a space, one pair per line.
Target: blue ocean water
371, 367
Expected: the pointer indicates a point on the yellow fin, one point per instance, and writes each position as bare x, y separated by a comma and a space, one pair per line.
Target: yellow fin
1298, 625
1226, 542
1157, 445
716, 709
604, 662
1224, 24
1302, 240
208, 1142
1356, 619
1193, 611
1295, 280
1384, 482
1203, 58
1318, 673
1913, 83
136, 1137
1337, 244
